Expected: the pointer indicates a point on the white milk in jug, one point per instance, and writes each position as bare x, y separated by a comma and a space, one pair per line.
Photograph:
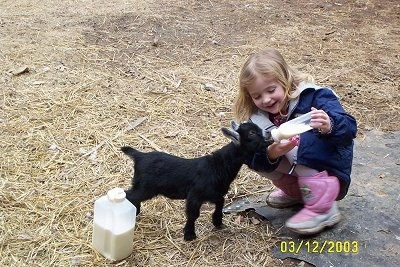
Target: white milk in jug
113, 224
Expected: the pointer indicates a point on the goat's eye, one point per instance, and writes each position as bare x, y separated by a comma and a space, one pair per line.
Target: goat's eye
252, 133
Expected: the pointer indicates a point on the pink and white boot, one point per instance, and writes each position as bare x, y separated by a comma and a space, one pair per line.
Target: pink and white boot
320, 208
287, 193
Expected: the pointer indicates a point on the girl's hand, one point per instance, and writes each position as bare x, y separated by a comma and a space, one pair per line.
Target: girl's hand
320, 120
276, 149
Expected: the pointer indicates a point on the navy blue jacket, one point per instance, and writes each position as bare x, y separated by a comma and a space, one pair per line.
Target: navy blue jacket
332, 152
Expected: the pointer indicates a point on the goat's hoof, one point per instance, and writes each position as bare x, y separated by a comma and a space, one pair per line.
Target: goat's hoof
189, 237
217, 223
220, 227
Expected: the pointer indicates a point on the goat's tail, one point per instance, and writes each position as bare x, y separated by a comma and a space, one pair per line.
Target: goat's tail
131, 152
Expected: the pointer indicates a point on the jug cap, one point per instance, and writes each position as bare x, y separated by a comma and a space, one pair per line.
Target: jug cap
116, 194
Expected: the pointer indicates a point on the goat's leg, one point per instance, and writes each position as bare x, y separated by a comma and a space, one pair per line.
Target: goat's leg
192, 213
136, 196
217, 215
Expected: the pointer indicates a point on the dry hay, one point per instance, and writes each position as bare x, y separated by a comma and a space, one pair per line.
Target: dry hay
94, 67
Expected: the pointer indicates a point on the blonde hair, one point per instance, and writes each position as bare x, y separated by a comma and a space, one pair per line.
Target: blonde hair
269, 63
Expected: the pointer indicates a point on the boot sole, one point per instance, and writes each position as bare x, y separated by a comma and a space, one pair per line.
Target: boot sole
283, 205
310, 231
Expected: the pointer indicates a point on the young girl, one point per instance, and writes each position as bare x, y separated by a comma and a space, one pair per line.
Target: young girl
314, 168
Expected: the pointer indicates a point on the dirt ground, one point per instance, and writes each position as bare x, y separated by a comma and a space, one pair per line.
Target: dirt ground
75, 74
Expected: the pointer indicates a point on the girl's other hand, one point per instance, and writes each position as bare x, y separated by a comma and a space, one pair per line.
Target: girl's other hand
320, 120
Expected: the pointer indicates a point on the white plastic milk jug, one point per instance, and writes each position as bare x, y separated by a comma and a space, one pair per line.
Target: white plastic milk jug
113, 224
292, 128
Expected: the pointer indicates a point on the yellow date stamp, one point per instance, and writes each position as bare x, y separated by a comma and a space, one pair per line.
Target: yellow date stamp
315, 246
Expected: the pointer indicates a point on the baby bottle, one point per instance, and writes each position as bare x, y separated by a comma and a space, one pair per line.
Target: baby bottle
113, 225
292, 128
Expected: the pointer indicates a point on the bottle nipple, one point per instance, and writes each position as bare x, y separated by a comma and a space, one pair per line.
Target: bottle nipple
116, 194
275, 133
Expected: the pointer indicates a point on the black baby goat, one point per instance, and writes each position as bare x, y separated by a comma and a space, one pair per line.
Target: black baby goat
198, 180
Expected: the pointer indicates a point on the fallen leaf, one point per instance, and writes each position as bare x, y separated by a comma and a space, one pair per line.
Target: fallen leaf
255, 221
239, 219
19, 70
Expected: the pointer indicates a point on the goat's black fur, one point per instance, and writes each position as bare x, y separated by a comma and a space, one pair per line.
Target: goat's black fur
198, 180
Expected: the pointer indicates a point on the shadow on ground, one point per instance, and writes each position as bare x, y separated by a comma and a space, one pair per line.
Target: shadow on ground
369, 233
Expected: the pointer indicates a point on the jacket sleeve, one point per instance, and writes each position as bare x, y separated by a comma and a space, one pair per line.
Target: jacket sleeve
259, 162
344, 126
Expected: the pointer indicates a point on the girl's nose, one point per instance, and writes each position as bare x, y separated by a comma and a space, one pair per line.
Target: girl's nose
266, 99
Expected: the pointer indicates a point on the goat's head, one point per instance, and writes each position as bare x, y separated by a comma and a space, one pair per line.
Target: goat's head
248, 136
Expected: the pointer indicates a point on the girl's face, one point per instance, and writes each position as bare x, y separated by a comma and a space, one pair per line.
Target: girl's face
267, 94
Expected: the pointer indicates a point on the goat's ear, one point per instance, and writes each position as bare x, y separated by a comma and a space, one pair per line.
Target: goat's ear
231, 134
234, 125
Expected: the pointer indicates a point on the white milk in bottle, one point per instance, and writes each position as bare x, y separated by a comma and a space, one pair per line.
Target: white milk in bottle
113, 224
292, 128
